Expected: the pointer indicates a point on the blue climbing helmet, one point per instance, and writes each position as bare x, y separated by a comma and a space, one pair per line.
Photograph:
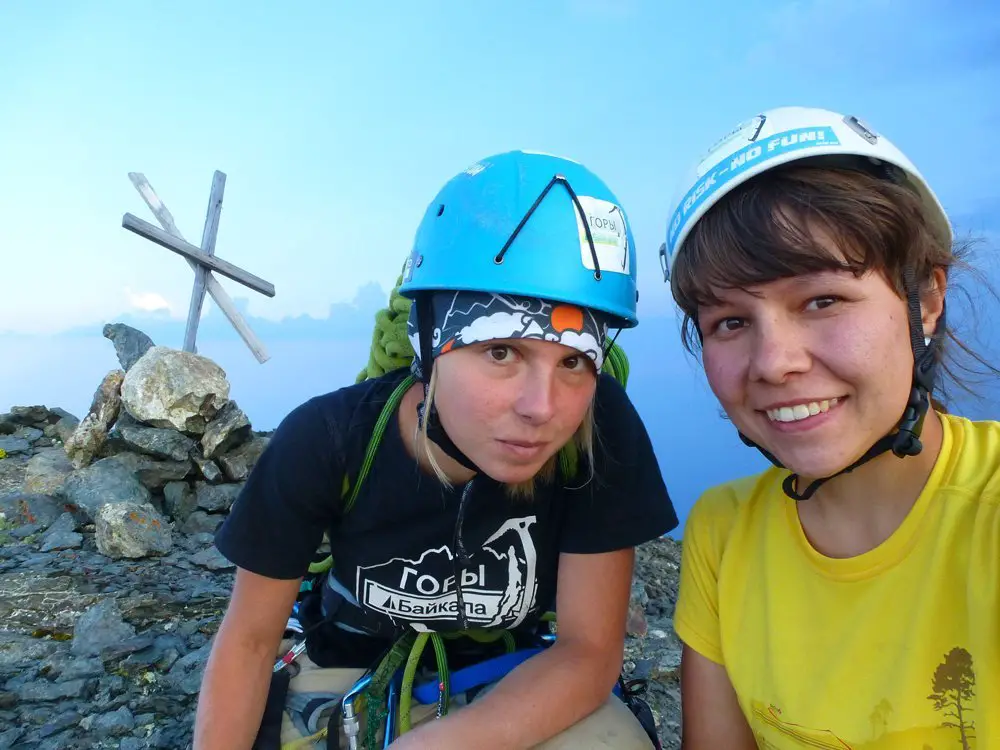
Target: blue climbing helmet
532, 225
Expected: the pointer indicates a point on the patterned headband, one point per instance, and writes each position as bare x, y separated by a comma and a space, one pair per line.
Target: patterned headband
463, 318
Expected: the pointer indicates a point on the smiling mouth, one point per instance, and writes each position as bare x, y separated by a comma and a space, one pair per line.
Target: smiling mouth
798, 412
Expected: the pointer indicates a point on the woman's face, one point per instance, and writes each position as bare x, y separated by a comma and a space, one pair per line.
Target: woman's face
814, 368
511, 404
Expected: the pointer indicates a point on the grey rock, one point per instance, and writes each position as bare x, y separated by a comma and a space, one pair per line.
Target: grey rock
62, 666
239, 462
12, 472
47, 472
200, 522
62, 534
151, 473
87, 440
209, 469
117, 651
158, 441
107, 481
9, 737
43, 690
130, 343
19, 652
187, 671
212, 559
24, 509
179, 500
31, 434
23, 532
132, 530
66, 522
64, 426
216, 497
172, 388
64, 720
28, 415
228, 429
113, 723
11, 444
61, 540
100, 626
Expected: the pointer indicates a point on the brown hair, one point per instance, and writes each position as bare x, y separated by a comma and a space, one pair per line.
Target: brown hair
758, 233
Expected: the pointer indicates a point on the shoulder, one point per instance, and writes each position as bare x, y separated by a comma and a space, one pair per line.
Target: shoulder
331, 427
974, 452
346, 410
723, 507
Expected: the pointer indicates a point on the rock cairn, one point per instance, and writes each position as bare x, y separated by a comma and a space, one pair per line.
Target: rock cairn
110, 586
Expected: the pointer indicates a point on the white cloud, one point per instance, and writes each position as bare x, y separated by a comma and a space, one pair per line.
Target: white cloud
148, 301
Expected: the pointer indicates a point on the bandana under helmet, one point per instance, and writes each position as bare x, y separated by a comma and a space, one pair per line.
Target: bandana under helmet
463, 318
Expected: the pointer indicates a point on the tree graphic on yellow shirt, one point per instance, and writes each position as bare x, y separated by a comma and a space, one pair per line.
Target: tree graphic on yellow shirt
954, 686
880, 718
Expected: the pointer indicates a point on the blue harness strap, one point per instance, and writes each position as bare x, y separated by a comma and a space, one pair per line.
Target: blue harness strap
473, 676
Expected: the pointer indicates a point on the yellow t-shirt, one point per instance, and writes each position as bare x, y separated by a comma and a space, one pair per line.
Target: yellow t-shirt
896, 648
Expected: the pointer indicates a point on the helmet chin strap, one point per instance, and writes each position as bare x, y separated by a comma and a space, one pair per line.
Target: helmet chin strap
435, 430
905, 441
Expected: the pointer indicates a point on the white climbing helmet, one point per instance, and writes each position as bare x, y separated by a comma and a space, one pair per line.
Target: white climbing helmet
776, 137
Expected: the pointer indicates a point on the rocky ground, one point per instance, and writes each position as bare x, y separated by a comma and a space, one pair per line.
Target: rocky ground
110, 587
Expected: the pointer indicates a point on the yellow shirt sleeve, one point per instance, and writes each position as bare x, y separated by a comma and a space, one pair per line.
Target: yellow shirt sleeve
696, 617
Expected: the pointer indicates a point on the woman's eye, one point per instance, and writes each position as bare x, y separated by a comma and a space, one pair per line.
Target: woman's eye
573, 363
821, 303
727, 325
499, 353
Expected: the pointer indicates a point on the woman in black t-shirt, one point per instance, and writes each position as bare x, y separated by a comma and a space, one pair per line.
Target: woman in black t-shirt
512, 476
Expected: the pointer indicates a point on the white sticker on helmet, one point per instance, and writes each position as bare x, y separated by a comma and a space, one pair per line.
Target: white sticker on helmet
608, 230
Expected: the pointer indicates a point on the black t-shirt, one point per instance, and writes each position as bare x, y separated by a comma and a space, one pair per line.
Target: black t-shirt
395, 552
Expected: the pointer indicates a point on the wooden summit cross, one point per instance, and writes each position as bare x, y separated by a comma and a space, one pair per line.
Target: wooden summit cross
201, 259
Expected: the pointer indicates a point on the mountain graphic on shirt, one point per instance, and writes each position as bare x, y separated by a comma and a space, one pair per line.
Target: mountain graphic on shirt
498, 583
952, 696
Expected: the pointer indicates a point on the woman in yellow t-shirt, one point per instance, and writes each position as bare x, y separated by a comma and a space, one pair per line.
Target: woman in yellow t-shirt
848, 597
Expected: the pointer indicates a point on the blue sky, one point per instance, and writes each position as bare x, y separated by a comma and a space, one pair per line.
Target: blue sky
337, 122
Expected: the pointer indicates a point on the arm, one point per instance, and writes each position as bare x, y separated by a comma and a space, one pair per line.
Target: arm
711, 714
237, 675
563, 684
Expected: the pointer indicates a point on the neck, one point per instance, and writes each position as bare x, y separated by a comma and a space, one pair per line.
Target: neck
413, 440
854, 513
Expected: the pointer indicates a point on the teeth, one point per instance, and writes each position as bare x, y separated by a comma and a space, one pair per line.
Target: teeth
800, 411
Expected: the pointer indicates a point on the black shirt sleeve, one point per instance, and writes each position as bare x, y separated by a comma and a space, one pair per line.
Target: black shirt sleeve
625, 502
290, 498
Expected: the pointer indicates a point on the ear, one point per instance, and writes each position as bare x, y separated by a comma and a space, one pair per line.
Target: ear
932, 300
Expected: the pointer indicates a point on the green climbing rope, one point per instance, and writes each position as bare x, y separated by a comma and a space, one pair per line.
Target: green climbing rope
388, 411
376, 706
391, 347
410, 672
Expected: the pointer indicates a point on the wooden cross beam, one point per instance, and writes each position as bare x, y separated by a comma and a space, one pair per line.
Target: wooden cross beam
201, 259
